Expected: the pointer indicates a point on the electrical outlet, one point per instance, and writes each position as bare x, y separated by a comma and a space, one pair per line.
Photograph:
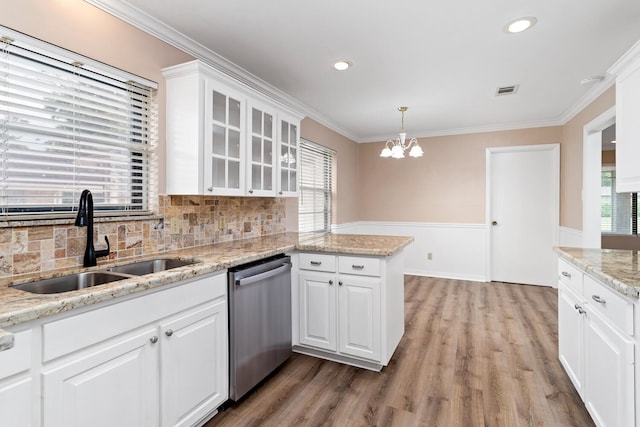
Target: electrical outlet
175, 226
429, 256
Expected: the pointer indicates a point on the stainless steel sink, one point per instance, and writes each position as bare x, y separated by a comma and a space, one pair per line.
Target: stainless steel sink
71, 282
141, 268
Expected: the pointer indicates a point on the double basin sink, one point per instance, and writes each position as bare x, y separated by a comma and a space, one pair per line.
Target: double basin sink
87, 279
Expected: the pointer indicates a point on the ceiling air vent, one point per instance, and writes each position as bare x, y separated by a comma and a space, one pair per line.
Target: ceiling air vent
507, 90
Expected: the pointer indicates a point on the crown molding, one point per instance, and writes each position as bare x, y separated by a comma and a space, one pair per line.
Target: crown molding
626, 60
145, 22
472, 129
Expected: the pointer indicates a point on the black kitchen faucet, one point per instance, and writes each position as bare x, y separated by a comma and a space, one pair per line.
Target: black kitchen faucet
85, 219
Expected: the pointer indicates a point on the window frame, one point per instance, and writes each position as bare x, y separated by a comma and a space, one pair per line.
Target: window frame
317, 185
138, 175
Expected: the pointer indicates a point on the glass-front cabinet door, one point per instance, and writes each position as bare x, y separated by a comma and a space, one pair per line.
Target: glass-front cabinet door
289, 157
224, 145
261, 146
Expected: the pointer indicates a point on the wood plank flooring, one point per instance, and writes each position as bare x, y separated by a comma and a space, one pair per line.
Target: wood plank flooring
473, 354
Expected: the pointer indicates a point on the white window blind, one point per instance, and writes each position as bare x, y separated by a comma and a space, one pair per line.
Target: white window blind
618, 211
316, 177
68, 123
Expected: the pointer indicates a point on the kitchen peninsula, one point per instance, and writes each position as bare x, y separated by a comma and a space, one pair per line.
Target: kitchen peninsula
163, 336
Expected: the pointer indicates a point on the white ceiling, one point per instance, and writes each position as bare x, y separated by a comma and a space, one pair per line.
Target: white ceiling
442, 59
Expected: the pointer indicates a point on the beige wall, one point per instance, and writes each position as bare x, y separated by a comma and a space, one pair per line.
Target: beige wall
77, 26
447, 185
346, 200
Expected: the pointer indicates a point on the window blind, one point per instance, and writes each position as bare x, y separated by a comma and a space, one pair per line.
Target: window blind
316, 177
68, 123
618, 211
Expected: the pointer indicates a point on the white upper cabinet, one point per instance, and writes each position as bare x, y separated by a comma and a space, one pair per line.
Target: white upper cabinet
627, 72
289, 155
261, 147
223, 138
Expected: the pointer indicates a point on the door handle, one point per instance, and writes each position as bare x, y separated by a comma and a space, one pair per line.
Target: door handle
494, 223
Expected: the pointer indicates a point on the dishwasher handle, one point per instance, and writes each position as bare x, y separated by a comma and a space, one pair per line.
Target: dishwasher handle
258, 277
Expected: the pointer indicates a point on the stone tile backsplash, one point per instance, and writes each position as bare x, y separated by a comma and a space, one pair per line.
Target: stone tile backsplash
201, 220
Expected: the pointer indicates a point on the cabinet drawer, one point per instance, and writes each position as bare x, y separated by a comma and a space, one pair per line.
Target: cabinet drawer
359, 265
317, 262
18, 358
607, 302
570, 276
78, 331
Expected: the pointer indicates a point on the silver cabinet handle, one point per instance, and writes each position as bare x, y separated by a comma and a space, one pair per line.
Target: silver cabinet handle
316, 262
581, 311
565, 274
169, 332
153, 339
331, 282
577, 307
210, 189
250, 191
340, 283
598, 299
357, 267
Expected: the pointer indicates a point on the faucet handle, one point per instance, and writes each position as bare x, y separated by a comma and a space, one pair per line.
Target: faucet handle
104, 252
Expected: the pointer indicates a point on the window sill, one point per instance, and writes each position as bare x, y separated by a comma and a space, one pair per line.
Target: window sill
66, 219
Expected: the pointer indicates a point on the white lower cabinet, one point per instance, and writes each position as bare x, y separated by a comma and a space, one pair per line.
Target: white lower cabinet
318, 315
571, 339
597, 347
349, 309
359, 314
154, 359
117, 384
194, 371
609, 373
16, 383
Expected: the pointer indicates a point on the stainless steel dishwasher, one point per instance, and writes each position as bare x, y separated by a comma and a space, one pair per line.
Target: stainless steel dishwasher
259, 321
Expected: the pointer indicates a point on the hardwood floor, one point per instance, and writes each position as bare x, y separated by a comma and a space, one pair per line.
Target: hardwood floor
473, 354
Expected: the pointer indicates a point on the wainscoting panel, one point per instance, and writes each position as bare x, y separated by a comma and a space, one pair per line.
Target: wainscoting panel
458, 251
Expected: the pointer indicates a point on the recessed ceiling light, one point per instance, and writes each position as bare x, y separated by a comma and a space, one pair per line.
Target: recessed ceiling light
341, 65
521, 24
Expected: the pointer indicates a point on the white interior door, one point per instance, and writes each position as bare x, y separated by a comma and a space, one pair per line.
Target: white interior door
523, 213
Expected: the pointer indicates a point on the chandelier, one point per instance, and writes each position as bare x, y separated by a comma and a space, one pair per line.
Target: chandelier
397, 148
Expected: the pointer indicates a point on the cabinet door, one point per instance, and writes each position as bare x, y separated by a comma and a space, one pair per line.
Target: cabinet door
289, 156
16, 383
261, 147
15, 402
194, 370
628, 130
115, 385
318, 310
571, 336
609, 374
224, 134
359, 314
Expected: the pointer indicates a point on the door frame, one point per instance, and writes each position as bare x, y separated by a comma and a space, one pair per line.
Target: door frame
591, 171
555, 149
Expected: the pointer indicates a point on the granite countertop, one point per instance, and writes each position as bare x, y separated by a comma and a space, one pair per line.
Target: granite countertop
18, 306
615, 268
